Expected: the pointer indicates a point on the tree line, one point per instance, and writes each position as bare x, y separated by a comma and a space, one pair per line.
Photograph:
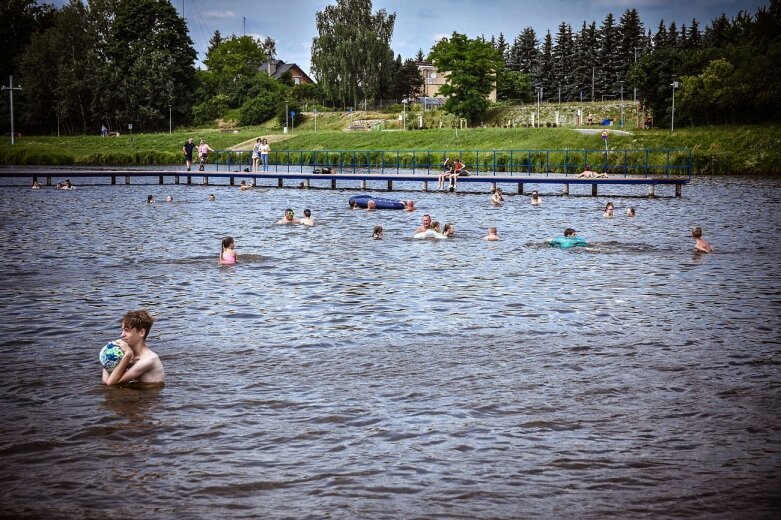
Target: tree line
120, 62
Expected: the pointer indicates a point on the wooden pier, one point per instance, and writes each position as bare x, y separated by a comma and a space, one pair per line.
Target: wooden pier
345, 180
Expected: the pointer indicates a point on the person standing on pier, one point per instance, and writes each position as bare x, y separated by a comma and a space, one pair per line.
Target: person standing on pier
203, 152
188, 148
265, 149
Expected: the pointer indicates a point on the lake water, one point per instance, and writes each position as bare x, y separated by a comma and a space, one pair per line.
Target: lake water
329, 375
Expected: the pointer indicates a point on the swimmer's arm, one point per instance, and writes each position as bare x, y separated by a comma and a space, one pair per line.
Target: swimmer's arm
134, 372
118, 374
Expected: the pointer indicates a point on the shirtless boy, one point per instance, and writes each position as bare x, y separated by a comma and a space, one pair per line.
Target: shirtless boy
139, 363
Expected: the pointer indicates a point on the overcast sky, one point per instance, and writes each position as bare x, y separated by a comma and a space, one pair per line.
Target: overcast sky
420, 23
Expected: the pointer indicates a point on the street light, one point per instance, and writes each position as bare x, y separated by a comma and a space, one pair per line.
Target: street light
404, 113
622, 104
11, 89
674, 85
286, 123
539, 100
169, 120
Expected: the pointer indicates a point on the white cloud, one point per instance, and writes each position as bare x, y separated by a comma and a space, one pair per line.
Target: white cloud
220, 15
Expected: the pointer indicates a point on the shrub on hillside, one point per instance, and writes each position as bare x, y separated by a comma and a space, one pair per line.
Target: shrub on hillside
259, 109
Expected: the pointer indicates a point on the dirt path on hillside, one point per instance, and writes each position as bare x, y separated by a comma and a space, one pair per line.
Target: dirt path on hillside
249, 143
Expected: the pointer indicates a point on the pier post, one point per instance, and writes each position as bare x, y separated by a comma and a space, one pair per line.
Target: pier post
127, 179
231, 181
205, 181
333, 184
425, 185
279, 182
651, 191
493, 186
307, 183
113, 180
594, 190
35, 179
48, 181
520, 188
254, 182
678, 190
363, 184
565, 191
189, 180
160, 180
390, 185
176, 179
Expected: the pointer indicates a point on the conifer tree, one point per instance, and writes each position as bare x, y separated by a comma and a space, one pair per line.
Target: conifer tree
563, 61
528, 53
609, 59
544, 71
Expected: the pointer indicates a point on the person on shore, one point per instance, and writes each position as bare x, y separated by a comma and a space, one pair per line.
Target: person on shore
377, 233
228, 254
425, 224
449, 230
492, 235
536, 199
288, 218
139, 362
700, 244
256, 155
103, 131
203, 153
150, 199
265, 149
188, 148
307, 220
609, 209
630, 212
497, 199
409, 205
36, 185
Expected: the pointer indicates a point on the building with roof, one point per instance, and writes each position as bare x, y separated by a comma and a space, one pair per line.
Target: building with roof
276, 68
434, 79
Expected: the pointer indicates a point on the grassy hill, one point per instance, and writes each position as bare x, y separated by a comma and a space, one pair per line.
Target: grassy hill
723, 149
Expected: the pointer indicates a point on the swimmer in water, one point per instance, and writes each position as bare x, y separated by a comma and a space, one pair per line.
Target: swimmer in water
496, 197
700, 244
425, 224
228, 254
609, 208
630, 212
449, 230
212, 197
244, 186
169, 199
409, 205
377, 233
150, 199
492, 235
307, 220
139, 363
289, 218
536, 199
371, 205
36, 185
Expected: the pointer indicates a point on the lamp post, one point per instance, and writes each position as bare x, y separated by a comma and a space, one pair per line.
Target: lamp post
622, 104
634, 99
11, 89
539, 100
404, 113
169, 120
674, 85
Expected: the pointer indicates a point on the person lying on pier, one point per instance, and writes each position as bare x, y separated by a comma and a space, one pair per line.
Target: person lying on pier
588, 173
700, 244
307, 220
536, 199
497, 199
289, 218
492, 235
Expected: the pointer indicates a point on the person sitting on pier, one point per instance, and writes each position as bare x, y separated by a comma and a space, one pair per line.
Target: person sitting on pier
609, 208
289, 218
458, 170
497, 199
307, 220
36, 185
536, 199
492, 235
447, 170
377, 233
700, 244
409, 205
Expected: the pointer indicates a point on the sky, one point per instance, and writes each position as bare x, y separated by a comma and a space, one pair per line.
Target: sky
421, 23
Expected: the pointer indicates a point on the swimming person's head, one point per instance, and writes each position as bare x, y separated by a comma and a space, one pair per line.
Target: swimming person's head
138, 320
372, 204
307, 213
449, 230
426, 221
697, 232
289, 214
227, 243
212, 197
435, 226
150, 199
377, 232
569, 232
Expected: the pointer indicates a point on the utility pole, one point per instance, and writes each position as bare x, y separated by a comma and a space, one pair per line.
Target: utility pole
593, 69
11, 89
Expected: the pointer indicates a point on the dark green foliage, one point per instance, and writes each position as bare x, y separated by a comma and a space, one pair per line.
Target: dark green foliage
285, 118
260, 108
513, 86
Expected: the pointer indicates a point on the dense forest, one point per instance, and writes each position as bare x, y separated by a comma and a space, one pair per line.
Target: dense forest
117, 62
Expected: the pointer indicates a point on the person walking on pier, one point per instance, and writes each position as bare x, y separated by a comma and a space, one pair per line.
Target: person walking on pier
203, 153
188, 148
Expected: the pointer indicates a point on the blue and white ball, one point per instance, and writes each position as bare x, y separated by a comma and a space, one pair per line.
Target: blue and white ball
110, 356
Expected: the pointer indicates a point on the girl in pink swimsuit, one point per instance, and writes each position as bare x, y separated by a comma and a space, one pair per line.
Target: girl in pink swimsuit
228, 255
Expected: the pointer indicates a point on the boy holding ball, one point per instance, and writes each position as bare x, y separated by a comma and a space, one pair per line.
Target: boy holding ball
139, 362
